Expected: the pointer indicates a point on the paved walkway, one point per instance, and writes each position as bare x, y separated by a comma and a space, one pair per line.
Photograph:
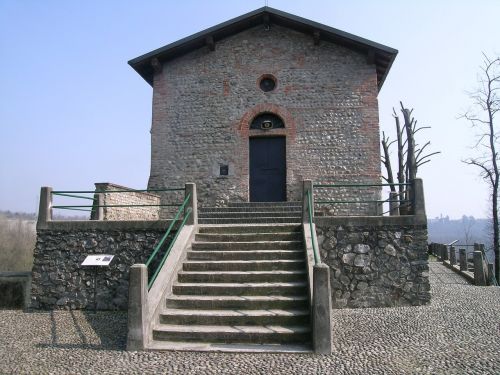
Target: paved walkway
458, 333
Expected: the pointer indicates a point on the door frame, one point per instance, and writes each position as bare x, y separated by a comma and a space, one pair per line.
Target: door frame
242, 129
264, 135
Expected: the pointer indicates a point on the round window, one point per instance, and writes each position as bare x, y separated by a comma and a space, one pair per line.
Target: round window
267, 83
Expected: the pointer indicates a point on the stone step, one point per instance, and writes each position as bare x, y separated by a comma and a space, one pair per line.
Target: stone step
247, 220
248, 215
294, 348
245, 265
240, 289
248, 237
240, 276
251, 245
251, 209
233, 334
244, 254
234, 317
252, 228
264, 204
238, 302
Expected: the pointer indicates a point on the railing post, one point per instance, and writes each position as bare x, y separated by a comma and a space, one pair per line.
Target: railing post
45, 206
463, 260
432, 249
97, 212
137, 308
444, 253
393, 204
479, 271
418, 200
190, 188
307, 186
453, 256
322, 306
100, 208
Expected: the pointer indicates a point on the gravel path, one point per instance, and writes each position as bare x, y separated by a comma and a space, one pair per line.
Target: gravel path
458, 333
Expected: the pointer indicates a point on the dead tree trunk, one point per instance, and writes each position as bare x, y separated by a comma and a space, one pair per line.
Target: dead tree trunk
409, 159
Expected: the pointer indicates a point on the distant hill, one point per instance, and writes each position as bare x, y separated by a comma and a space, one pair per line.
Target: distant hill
466, 230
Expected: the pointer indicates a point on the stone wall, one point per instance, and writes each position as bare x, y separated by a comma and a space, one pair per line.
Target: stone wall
127, 198
59, 280
204, 102
375, 262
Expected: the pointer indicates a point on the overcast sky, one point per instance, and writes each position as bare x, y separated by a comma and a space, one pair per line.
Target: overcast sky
72, 112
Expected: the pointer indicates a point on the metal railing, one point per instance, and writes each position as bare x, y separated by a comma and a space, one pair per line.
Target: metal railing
310, 205
96, 205
395, 204
477, 269
158, 247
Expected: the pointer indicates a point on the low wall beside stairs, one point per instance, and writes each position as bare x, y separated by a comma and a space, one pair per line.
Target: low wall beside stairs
375, 261
59, 280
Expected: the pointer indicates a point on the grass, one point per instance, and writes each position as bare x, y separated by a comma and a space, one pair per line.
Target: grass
17, 242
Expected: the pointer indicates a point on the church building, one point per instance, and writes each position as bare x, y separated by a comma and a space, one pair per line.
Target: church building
266, 107
251, 107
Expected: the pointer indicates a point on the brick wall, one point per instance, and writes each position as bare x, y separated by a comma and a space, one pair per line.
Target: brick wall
127, 198
203, 103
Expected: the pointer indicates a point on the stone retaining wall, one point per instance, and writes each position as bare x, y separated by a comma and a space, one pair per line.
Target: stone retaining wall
59, 280
375, 261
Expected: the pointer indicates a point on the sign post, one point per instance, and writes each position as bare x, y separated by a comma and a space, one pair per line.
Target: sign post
96, 261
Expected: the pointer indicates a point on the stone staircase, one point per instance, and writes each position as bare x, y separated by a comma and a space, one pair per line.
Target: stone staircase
243, 285
252, 213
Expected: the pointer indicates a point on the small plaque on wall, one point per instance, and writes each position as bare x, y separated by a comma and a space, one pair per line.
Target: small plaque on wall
224, 170
98, 260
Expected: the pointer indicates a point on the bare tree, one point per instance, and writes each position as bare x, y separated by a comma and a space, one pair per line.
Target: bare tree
485, 105
467, 224
410, 157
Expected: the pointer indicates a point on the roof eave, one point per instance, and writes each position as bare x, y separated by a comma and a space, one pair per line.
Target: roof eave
142, 64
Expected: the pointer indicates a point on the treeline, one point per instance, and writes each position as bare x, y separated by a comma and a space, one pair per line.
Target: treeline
33, 217
17, 241
466, 230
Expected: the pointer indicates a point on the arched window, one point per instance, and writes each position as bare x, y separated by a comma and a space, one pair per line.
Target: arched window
266, 121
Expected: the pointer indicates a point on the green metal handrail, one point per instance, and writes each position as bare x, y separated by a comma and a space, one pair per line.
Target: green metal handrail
402, 202
317, 259
363, 201
114, 191
357, 185
163, 239
71, 194
117, 205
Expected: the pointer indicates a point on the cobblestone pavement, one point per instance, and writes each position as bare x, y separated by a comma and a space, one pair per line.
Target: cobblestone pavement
458, 333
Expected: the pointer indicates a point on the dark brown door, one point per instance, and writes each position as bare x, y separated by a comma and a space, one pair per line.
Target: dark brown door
267, 169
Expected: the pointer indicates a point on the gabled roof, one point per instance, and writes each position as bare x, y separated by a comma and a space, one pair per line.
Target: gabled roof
382, 56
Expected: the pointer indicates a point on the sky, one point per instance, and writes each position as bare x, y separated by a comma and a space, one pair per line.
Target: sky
73, 112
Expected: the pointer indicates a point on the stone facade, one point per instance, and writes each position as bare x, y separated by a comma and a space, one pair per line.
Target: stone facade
127, 198
204, 102
59, 280
375, 263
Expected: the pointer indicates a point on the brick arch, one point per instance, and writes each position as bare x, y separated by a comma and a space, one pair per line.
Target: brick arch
283, 113
243, 129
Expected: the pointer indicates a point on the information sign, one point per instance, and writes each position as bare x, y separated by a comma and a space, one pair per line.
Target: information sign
98, 260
